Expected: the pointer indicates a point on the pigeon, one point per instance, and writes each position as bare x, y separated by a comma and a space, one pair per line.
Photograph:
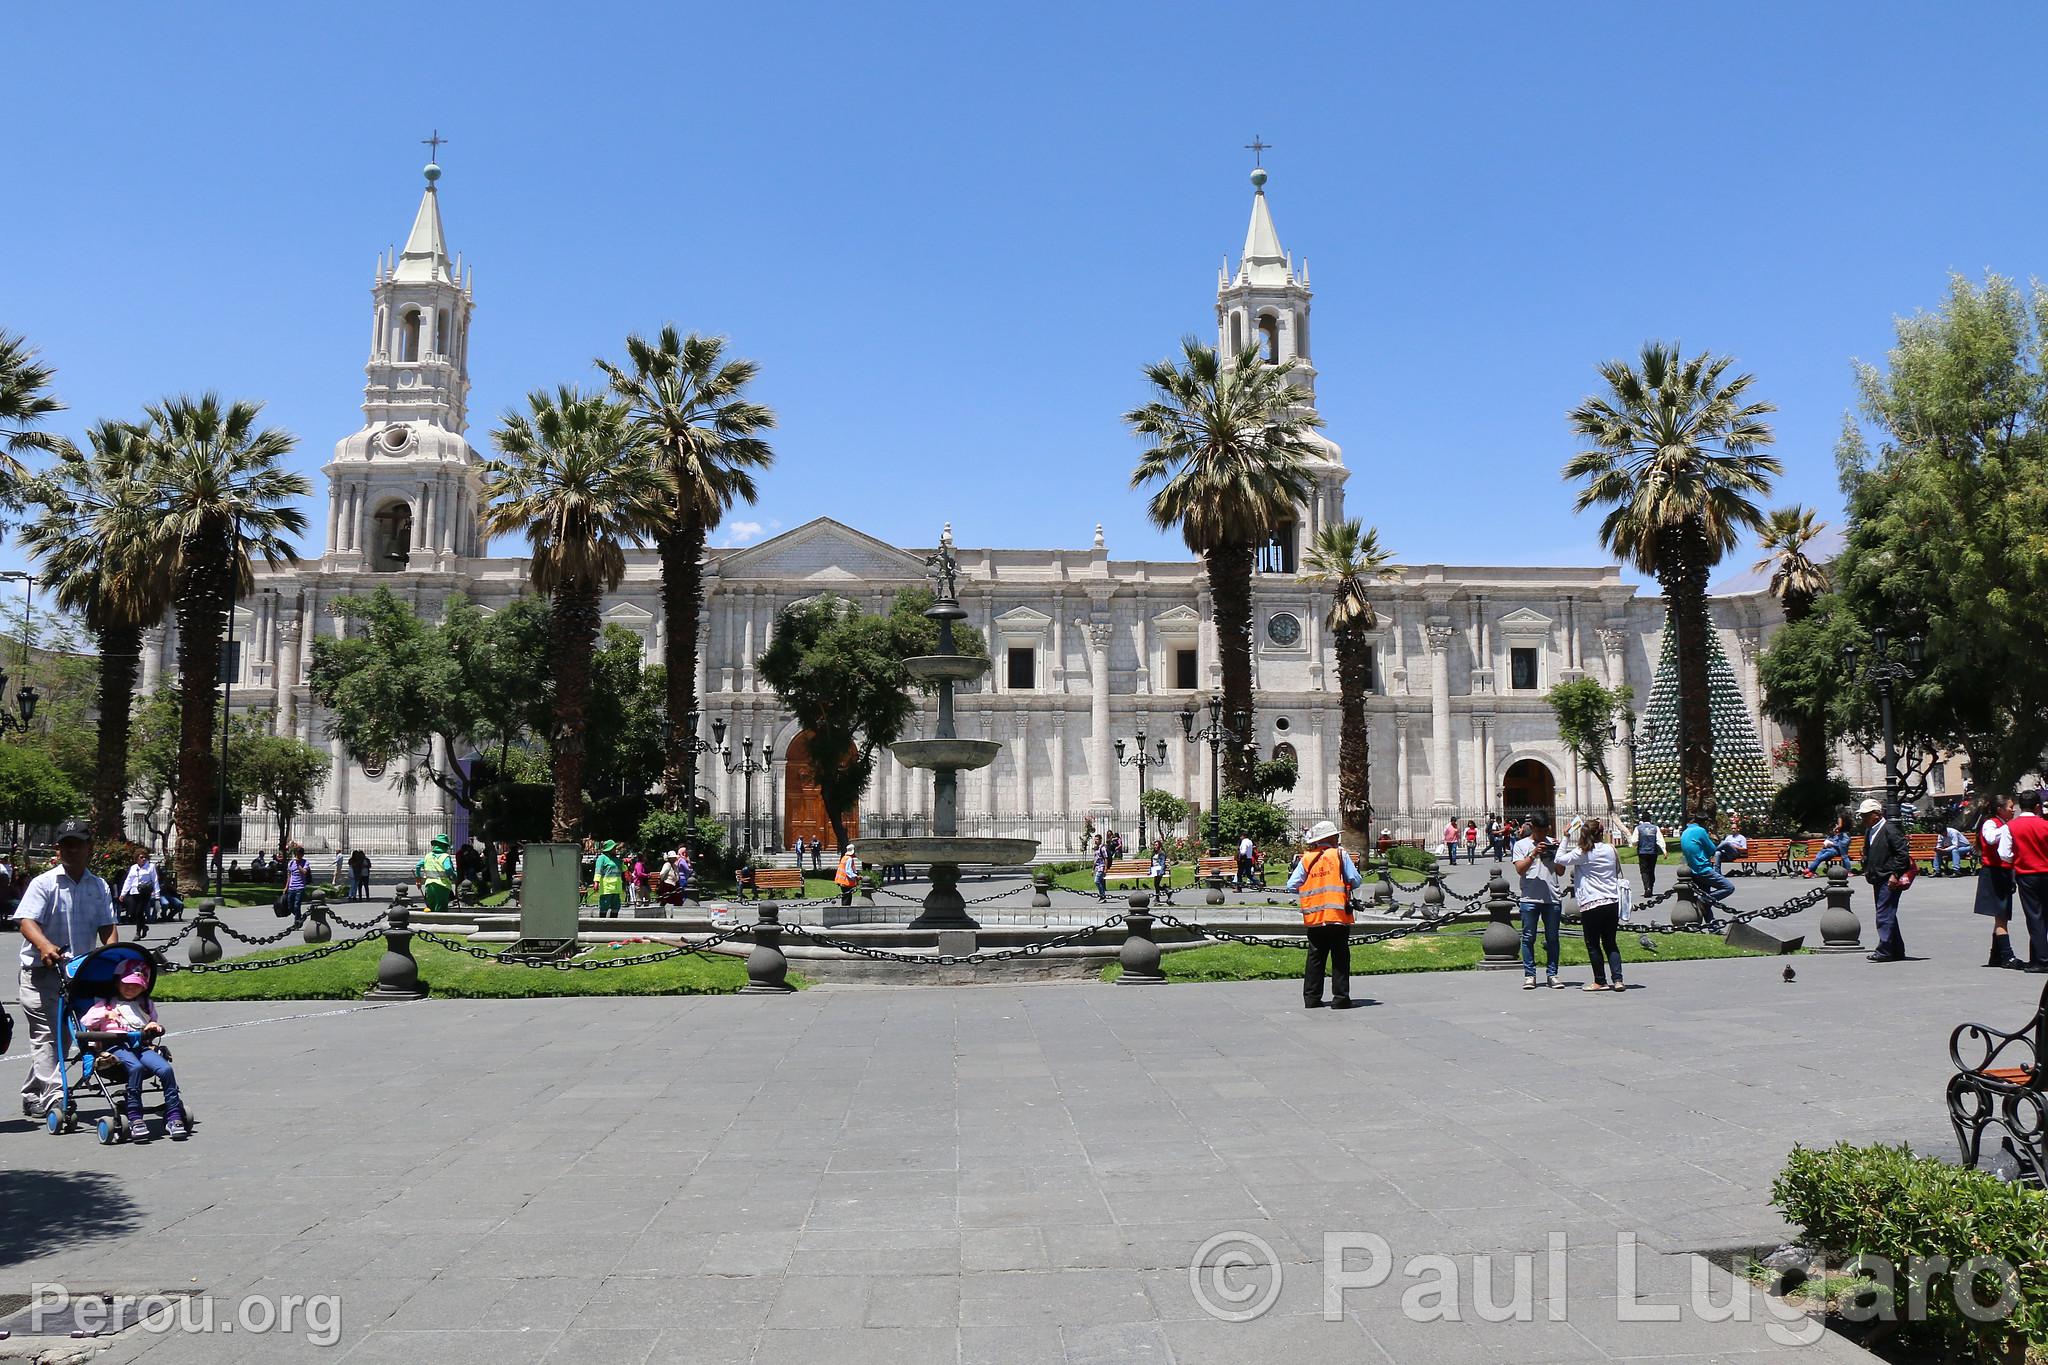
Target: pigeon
1790, 975
1649, 944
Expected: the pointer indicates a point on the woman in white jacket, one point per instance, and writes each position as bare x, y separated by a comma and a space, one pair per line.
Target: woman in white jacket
1595, 870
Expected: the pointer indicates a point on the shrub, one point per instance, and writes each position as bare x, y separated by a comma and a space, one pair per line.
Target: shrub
1265, 822
1892, 1209
1808, 805
1414, 859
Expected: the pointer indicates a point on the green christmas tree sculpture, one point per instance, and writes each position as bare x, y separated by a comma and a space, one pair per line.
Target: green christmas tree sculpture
1742, 775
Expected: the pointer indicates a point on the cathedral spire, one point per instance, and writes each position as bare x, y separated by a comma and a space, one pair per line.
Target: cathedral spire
1264, 262
425, 257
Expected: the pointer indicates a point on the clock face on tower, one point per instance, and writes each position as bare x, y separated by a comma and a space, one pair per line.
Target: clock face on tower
1283, 629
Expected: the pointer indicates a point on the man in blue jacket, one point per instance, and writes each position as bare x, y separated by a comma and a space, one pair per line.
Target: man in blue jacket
1710, 888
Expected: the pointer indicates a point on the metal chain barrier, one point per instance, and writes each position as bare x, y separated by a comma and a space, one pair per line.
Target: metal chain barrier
377, 918
1424, 926
259, 964
573, 965
1806, 900
258, 941
950, 959
173, 941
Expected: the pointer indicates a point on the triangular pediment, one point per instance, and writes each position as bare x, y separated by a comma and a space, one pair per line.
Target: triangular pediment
1523, 621
625, 613
1024, 619
821, 551
1184, 617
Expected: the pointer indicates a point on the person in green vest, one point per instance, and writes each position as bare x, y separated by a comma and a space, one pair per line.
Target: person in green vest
610, 879
436, 872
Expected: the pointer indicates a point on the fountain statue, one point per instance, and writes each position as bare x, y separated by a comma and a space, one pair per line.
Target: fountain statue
944, 850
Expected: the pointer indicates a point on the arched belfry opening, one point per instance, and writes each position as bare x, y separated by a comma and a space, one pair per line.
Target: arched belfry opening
391, 537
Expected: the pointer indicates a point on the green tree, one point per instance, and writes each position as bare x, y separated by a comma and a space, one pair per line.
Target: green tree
1797, 580
153, 757
1585, 713
1166, 809
98, 534
1274, 775
32, 791
1675, 456
569, 473
1266, 823
285, 774
1228, 443
1347, 559
1947, 493
703, 436
64, 679
627, 710
840, 672
26, 403
225, 498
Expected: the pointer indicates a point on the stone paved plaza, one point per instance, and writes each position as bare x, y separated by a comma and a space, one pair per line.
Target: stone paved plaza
999, 1173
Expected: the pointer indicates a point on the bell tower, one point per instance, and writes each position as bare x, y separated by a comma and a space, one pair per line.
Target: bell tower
403, 492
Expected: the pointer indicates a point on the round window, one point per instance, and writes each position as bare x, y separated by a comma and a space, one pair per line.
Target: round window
1283, 629
397, 438
1281, 725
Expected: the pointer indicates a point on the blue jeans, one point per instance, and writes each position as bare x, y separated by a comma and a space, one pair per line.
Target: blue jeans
293, 896
1711, 888
148, 1063
1552, 916
1101, 884
1954, 856
1828, 853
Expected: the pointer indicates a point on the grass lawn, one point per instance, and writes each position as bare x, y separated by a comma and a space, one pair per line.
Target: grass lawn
1452, 951
346, 975
254, 893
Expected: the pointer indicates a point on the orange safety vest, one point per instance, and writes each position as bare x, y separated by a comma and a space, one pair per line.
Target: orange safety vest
849, 869
1324, 897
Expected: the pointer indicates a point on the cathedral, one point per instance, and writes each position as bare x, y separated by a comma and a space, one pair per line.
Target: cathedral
1090, 650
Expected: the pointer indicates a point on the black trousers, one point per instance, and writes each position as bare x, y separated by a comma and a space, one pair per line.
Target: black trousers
2033, 889
1648, 863
1328, 943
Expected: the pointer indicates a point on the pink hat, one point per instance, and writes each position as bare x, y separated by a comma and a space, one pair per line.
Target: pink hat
135, 976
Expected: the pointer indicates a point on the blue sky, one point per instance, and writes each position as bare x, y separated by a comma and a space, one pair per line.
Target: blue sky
951, 234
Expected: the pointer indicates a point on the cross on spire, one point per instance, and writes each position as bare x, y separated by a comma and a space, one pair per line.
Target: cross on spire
433, 145
1258, 149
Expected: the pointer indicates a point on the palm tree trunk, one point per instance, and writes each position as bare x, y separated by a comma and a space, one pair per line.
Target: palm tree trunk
120, 661
1810, 731
1354, 741
1230, 593
682, 607
205, 583
1682, 573
572, 627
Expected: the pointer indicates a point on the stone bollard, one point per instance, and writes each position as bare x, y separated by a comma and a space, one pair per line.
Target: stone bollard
314, 928
1840, 930
204, 947
1383, 894
401, 897
1215, 896
1502, 940
1685, 909
1041, 890
1433, 894
398, 976
1139, 957
767, 966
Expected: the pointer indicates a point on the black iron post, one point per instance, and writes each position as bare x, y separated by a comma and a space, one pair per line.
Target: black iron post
746, 767
692, 744
1215, 734
1141, 760
1885, 670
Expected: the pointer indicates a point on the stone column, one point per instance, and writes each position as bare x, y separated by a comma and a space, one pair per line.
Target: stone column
334, 502
1443, 785
1056, 667
1404, 789
1060, 804
308, 623
1316, 757
1144, 649
288, 674
1101, 758
1397, 677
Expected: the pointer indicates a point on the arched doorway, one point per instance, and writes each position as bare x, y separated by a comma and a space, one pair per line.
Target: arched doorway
1528, 789
803, 808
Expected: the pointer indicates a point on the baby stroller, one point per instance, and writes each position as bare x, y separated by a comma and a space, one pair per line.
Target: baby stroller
90, 978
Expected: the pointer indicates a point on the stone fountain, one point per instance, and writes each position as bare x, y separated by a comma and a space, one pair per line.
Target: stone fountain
945, 851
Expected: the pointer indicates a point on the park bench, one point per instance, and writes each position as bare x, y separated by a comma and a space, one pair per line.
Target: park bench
2000, 1091
1920, 848
1216, 871
773, 879
1768, 856
1130, 870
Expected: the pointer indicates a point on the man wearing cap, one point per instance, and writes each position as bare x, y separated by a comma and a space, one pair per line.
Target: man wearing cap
847, 875
610, 879
436, 872
1887, 866
65, 912
1323, 878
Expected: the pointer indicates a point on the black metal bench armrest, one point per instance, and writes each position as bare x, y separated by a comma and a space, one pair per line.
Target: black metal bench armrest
1991, 1043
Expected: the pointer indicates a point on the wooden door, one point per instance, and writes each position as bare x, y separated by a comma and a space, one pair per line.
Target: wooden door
803, 808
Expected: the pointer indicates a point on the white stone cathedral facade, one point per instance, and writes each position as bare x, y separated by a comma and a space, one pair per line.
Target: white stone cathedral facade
1088, 648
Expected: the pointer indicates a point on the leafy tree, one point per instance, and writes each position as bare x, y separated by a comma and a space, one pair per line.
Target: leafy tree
840, 672
1585, 713
704, 437
1274, 775
626, 718
65, 682
1947, 492
1796, 581
32, 790
99, 536
1228, 443
285, 774
1166, 809
225, 498
1265, 822
1347, 559
25, 404
153, 758
1675, 455
569, 473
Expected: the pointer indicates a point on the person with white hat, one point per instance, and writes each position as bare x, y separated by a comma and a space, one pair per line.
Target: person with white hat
1888, 867
1323, 878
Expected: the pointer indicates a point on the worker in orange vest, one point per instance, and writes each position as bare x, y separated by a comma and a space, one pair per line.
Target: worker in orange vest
1324, 878
847, 875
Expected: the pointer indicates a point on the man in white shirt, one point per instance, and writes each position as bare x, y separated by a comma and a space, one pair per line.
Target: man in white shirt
138, 892
1244, 861
1535, 856
65, 912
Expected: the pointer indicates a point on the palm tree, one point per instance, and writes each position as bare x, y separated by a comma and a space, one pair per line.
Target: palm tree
688, 404
1676, 456
224, 500
24, 402
100, 536
1348, 559
1228, 444
572, 476
1796, 580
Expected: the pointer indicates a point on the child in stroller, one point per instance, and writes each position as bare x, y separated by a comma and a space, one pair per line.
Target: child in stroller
118, 1038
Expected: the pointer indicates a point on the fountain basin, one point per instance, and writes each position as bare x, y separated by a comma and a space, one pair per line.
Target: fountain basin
954, 849
946, 754
945, 667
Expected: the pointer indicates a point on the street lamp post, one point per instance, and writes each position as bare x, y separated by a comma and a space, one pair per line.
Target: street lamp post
747, 766
692, 744
1141, 760
1886, 670
1215, 734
